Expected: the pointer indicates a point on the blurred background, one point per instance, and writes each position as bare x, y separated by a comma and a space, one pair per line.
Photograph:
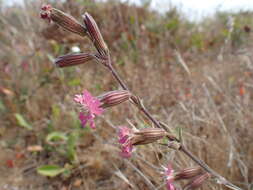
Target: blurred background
191, 62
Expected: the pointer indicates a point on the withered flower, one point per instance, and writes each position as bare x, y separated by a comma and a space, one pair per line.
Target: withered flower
129, 137
62, 19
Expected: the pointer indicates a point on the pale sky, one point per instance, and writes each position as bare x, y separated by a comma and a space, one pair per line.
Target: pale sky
194, 9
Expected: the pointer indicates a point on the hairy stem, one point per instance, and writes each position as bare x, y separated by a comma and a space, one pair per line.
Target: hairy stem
124, 86
219, 178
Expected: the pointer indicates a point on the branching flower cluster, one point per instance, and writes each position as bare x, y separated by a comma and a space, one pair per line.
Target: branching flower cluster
92, 107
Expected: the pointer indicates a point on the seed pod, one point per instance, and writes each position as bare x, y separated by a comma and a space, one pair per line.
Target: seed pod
73, 59
95, 34
114, 98
148, 135
188, 173
197, 182
62, 19
128, 138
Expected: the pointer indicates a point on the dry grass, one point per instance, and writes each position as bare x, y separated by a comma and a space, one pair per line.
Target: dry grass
210, 100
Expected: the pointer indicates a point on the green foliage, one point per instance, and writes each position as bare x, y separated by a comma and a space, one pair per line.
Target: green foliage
51, 170
178, 132
132, 20
71, 145
64, 144
173, 24
197, 40
22, 122
56, 136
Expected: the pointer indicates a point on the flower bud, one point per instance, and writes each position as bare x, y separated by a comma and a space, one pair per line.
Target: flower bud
113, 98
95, 34
148, 135
188, 173
129, 137
73, 59
62, 19
46, 12
197, 182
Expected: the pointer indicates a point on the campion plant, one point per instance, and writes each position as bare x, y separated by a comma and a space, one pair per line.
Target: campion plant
92, 106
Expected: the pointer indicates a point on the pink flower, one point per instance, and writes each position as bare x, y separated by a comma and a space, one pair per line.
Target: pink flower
133, 137
169, 172
125, 139
90, 106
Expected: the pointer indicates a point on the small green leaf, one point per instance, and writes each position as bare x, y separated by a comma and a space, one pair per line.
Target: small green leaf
50, 170
22, 122
179, 131
71, 145
180, 136
56, 136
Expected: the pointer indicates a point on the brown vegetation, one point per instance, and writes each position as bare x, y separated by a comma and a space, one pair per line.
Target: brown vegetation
194, 77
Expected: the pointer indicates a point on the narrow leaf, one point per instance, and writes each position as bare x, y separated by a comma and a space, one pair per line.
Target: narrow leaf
50, 170
56, 136
22, 122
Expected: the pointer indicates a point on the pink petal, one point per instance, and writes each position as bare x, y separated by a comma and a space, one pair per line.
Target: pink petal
170, 186
91, 106
92, 103
126, 150
83, 118
169, 170
125, 154
169, 177
124, 131
123, 139
78, 98
92, 123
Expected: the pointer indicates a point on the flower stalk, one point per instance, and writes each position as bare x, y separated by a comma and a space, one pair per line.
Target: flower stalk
127, 138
